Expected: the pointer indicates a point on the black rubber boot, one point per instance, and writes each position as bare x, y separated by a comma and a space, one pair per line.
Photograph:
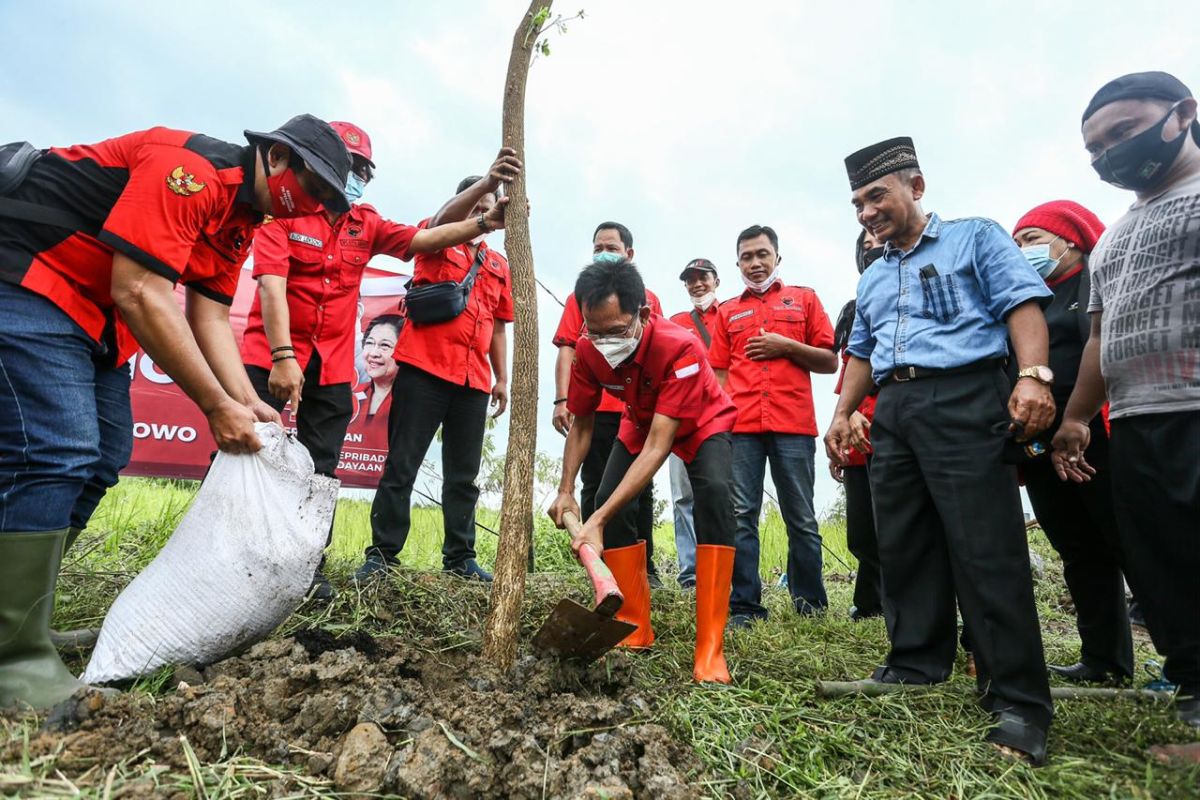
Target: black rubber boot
31, 673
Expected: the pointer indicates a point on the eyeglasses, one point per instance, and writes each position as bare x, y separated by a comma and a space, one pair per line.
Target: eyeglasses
621, 334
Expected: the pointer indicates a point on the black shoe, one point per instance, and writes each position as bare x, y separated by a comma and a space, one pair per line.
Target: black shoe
806, 609
857, 614
1136, 615
743, 621
1085, 673
321, 590
886, 674
1187, 708
372, 569
655, 581
1013, 730
471, 571
688, 585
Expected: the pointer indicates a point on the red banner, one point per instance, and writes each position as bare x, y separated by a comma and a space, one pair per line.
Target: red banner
170, 434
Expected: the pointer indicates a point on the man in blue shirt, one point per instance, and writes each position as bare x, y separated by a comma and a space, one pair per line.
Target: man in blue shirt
933, 318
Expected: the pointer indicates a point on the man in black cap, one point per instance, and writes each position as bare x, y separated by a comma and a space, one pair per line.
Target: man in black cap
93, 239
700, 280
932, 321
1144, 355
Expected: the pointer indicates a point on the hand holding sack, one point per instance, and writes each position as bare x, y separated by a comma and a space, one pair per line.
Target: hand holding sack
237, 566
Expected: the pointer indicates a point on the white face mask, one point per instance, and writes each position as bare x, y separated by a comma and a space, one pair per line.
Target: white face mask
704, 301
478, 240
616, 349
759, 288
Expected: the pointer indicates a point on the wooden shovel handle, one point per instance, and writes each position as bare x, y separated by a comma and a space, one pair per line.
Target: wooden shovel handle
608, 597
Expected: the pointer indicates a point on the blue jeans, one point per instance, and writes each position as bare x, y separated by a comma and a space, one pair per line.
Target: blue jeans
66, 429
791, 458
685, 530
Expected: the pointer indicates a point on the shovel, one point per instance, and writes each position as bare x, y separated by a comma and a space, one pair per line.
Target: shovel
578, 633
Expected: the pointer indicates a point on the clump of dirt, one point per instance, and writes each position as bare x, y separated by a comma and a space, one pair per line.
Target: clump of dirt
383, 715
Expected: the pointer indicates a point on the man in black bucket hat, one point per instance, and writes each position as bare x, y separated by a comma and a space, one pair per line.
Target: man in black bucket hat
93, 239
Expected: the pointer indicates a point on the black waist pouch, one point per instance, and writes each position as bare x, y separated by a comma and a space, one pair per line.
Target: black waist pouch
431, 303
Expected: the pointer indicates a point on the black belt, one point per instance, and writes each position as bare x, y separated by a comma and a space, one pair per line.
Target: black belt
905, 374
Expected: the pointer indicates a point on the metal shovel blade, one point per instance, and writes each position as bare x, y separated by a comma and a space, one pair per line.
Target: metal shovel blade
575, 632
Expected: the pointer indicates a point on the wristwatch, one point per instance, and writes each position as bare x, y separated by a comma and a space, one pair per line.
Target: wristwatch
1042, 374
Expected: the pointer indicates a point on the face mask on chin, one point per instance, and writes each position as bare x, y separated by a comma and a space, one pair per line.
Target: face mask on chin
1139, 163
478, 240
759, 288
607, 258
704, 301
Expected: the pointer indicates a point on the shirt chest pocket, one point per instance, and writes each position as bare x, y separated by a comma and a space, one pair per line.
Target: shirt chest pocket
740, 329
489, 283
353, 258
791, 323
940, 300
306, 261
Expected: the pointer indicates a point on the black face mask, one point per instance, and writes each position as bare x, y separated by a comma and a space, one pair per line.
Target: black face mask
1140, 162
870, 257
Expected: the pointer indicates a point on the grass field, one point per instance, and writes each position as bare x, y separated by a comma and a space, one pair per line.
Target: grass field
767, 735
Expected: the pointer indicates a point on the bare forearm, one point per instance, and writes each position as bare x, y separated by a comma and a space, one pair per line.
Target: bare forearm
147, 304
216, 342
498, 352
722, 376
855, 384
562, 370
1028, 333
1089, 393
448, 234
641, 472
813, 359
277, 319
579, 441
458, 207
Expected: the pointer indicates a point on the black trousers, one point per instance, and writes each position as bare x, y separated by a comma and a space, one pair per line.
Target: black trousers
591, 473
421, 403
862, 540
1156, 485
323, 416
710, 472
1080, 522
948, 515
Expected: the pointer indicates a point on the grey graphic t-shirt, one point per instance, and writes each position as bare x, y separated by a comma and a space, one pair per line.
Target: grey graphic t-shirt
1146, 280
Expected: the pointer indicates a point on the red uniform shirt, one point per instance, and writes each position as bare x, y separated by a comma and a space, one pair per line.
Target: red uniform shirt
457, 350
173, 201
773, 396
324, 266
684, 319
571, 326
669, 375
866, 408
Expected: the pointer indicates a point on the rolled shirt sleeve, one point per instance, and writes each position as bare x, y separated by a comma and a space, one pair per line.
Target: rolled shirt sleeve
1005, 276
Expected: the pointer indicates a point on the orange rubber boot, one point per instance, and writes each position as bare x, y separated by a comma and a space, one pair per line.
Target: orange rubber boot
714, 578
628, 565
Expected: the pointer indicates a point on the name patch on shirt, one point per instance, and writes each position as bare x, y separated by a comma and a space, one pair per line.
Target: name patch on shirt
309, 240
741, 314
613, 387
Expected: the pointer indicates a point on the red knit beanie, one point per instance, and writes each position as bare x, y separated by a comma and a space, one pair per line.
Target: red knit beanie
1067, 219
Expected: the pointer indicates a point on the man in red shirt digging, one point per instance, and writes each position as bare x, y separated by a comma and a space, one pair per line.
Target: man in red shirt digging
673, 404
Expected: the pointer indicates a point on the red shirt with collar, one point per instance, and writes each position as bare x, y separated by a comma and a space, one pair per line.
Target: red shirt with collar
684, 319
364, 393
669, 375
571, 326
772, 396
866, 408
457, 350
324, 266
175, 202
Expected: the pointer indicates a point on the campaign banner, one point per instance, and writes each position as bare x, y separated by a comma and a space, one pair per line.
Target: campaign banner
170, 433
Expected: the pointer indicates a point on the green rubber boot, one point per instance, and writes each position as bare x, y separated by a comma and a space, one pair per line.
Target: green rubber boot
31, 673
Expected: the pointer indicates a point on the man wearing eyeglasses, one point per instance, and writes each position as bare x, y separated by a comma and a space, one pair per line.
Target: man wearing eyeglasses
299, 339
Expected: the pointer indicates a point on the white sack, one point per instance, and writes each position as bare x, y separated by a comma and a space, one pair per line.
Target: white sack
239, 563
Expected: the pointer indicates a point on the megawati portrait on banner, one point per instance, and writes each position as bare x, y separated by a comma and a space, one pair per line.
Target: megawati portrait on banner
170, 434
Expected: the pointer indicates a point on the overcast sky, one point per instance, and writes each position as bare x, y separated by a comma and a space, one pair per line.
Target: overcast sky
687, 121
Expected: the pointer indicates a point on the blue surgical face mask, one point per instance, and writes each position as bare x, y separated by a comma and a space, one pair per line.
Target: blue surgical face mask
354, 187
1039, 258
607, 258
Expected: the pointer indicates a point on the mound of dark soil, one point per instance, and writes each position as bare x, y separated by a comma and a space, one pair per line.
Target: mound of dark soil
387, 716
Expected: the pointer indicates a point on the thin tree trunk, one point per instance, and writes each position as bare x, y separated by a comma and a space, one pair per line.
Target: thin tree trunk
516, 516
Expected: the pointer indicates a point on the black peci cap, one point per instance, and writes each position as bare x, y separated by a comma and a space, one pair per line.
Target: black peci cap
315, 141
698, 265
873, 162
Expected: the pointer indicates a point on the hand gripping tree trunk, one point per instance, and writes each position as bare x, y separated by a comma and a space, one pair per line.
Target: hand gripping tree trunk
516, 516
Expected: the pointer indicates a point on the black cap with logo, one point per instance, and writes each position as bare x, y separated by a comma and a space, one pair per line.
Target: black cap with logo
697, 265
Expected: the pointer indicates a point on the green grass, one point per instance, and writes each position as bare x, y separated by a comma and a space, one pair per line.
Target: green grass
767, 735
